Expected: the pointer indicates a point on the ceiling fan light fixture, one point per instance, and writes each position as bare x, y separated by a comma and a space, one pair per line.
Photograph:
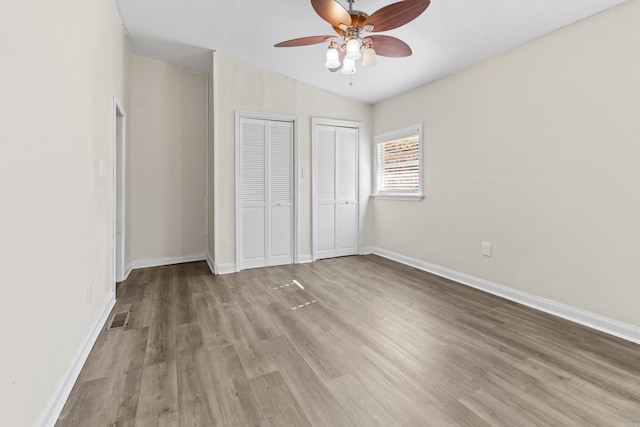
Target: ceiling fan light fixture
369, 57
353, 49
351, 42
348, 66
333, 58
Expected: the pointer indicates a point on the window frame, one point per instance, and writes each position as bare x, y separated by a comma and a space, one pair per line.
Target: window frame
389, 136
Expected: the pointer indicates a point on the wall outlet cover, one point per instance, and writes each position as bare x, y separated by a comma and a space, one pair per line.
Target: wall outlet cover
486, 248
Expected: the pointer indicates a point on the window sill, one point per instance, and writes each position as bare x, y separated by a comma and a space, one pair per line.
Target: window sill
398, 196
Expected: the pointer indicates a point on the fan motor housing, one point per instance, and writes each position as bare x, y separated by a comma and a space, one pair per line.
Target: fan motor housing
358, 19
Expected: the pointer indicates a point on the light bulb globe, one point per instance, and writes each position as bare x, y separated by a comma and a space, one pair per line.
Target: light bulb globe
348, 66
333, 59
369, 58
353, 49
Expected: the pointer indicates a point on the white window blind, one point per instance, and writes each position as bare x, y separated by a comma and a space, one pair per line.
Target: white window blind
398, 163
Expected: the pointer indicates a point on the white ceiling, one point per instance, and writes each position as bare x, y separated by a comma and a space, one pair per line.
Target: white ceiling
449, 36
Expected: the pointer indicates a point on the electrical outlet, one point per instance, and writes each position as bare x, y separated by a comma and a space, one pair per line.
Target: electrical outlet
89, 294
486, 248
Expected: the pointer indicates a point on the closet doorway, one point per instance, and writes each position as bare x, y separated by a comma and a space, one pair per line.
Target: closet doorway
119, 150
335, 188
265, 190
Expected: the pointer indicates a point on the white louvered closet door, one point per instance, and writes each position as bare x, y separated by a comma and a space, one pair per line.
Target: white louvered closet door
265, 214
280, 193
325, 191
335, 191
347, 185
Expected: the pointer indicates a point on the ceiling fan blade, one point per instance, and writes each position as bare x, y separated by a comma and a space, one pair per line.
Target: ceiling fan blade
341, 55
304, 41
332, 12
397, 14
390, 46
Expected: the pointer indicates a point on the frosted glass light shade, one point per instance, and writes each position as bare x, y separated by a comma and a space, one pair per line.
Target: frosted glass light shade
333, 59
353, 50
348, 66
369, 59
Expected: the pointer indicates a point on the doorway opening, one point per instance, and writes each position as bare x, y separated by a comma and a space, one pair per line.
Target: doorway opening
119, 191
266, 190
335, 188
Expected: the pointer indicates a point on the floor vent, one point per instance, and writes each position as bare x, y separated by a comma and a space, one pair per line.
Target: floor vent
119, 320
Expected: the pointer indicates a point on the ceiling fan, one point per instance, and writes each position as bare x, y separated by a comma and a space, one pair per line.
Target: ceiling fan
353, 28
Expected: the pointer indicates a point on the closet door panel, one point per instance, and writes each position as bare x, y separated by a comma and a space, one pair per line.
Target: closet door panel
265, 198
348, 235
326, 231
280, 246
253, 245
253, 164
347, 147
280, 193
325, 191
348, 165
335, 190
280, 163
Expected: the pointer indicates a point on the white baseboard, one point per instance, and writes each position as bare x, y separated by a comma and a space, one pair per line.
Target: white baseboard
226, 268
156, 262
585, 318
304, 259
367, 250
125, 274
211, 263
54, 408
127, 271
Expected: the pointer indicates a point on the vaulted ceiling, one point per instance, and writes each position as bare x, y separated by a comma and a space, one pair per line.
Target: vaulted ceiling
449, 36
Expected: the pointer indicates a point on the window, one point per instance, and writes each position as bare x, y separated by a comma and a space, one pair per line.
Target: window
399, 164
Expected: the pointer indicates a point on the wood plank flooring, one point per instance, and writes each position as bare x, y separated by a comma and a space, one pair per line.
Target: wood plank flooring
367, 342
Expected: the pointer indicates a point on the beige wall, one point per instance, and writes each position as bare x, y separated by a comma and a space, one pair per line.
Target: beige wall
166, 168
62, 65
246, 88
535, 151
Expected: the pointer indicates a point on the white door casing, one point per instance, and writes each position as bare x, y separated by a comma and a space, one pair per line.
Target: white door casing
265, 190
119, 133
335, 188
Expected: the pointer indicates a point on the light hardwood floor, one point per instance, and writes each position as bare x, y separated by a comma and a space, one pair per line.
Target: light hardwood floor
382, 345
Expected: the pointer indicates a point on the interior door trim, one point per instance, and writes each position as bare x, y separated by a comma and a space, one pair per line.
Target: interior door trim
319, 121
119, 212
272, 117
